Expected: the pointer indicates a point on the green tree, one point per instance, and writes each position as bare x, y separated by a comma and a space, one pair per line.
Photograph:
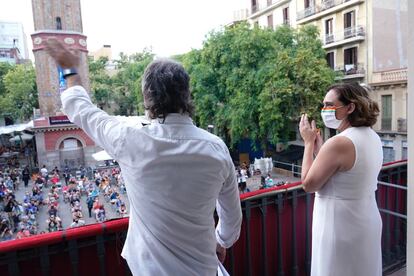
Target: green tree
20, 92
254, 83
5, 67
127, 82
101, 83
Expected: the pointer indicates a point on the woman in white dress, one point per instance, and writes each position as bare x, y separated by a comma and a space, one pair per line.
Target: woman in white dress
346, 231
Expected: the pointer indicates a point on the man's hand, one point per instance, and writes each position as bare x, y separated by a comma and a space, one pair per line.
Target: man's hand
221, 253
63, 56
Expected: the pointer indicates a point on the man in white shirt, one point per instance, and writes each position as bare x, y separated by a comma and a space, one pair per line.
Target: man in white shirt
176, 174
45, 174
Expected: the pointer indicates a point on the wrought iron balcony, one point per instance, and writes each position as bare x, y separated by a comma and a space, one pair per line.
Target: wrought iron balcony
353, 31
260, 6
325, 5
307, 12
352, 70
348, 35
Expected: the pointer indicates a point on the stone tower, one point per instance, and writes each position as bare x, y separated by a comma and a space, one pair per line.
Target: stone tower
60, 19
58, 142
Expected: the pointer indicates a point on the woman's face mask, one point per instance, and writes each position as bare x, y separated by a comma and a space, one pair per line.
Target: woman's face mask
329, 117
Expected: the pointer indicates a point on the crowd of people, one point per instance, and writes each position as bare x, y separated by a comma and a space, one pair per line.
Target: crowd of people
46, 191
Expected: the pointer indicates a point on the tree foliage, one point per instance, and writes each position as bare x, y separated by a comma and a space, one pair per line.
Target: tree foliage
254, 83
19, 93
119, 91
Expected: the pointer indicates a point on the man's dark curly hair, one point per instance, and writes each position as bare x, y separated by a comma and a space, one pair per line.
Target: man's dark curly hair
166, 89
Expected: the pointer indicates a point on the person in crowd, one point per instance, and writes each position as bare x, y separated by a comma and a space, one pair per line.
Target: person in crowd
45, 174
52, 211
172, 155
100, 214
26, 176
22, 233
347, 226
77, 223
54, 223
6, 232
269, 180
122, 210
66, 175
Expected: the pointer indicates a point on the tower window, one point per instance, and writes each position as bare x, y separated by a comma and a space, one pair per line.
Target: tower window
58, 23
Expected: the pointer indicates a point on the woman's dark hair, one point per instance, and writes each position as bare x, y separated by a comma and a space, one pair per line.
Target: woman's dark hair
366, 110
166, 89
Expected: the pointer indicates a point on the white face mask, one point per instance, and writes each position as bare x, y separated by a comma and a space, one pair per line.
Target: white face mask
329, 117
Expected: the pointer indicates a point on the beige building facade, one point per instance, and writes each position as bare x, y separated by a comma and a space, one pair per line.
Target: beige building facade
365, 42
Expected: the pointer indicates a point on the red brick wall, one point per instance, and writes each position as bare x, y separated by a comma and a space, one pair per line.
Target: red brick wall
52, 138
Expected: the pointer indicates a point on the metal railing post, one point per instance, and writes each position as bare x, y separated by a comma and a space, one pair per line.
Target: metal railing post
264, 232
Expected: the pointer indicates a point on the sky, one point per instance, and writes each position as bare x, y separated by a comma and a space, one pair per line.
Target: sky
169, 27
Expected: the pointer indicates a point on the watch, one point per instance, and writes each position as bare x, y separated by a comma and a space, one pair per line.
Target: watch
69, 72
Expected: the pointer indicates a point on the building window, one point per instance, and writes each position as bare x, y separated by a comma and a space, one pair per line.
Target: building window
307, 3
389, 155
404, 154
330, 59
254, 6
386, 112
58, 23
286, 20
388, 150
351, 60
329, 37
269, 2
270, 21
349, 24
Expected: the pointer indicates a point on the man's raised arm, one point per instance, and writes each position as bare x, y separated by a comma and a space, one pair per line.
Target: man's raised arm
105, 130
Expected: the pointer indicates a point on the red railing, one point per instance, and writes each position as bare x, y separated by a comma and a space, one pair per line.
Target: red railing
275, 237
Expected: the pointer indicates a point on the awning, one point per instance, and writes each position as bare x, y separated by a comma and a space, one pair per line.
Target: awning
102, 156
17, 127
24, 137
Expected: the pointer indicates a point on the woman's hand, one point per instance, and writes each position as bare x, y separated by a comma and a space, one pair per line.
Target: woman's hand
308, 131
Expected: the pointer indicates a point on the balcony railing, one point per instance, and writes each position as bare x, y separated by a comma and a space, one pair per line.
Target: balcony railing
347, 33
307, 12
275, 237
329, 38
396, 75
325, 5
354, 31
351, 69
260, 6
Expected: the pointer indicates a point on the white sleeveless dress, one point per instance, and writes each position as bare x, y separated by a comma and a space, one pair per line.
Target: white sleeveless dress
347, 226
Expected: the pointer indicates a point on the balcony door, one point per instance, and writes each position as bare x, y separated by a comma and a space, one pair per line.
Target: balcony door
286, 20
330, 59
329, 31
350, 60
254, 6
349, 23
